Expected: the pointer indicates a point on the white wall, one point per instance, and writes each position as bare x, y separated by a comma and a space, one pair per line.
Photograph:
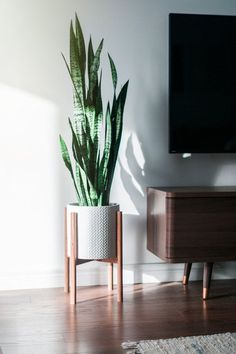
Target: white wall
35, 100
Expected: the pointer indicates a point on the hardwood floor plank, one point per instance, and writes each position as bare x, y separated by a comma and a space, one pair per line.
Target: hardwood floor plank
41, 321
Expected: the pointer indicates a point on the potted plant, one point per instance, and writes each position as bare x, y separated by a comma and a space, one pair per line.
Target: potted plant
96, 137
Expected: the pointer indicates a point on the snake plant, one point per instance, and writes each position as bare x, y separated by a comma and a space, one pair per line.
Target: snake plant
96, 135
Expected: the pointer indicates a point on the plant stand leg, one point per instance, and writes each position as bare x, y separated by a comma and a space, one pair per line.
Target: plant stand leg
119, 258
110, 276
206, 279
66, 258
187, 270
73, 258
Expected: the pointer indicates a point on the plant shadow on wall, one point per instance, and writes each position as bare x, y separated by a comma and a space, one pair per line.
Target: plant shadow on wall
139, 169
132, 173
134, 179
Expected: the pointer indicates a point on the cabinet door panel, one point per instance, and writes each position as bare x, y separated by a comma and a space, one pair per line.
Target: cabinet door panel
201, 227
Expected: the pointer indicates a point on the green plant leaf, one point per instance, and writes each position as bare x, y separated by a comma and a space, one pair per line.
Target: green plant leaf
75, 68
67, 161
97, 130
90, 115
90, 61
98, 100
91, 154
78, 108
93, 194
82, 182
117, 124
89, 189
89, 158
78, 150
113, 72
95, 138
82, 199
81, 47
78, 119
103, 167
119, 116
108, 140
122, 96
93, 72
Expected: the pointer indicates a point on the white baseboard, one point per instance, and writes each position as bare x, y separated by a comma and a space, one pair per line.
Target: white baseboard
97, 275
31, 280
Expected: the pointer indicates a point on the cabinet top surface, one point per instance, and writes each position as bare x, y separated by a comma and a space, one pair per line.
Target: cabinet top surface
180, 192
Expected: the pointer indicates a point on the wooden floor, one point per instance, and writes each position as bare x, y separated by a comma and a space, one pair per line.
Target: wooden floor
43, 322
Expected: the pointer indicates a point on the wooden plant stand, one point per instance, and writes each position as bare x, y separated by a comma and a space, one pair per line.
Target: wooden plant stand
72, 261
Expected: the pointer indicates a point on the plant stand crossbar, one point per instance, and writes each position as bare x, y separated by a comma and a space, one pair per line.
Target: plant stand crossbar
72, 261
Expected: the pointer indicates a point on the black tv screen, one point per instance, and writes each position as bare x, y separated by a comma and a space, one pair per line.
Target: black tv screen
202, 83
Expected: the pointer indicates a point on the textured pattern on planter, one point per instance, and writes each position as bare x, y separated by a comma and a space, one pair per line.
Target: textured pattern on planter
96, 231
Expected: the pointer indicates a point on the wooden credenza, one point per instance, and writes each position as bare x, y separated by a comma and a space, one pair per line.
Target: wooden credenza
192, 224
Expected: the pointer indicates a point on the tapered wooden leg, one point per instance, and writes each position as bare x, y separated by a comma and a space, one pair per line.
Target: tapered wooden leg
206, 279
119, 258
73, 258
187, 270
110, 276
66, 258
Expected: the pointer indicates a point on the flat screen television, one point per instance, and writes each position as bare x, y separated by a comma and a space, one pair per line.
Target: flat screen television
202, 83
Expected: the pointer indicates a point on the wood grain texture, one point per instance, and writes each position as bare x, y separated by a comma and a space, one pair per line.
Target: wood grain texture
66, 258
195, 191
119, 257
73, 257
201, 228
110, 276
192, 224
41, 321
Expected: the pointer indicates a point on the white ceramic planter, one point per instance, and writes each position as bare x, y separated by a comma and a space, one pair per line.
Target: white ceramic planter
96, 230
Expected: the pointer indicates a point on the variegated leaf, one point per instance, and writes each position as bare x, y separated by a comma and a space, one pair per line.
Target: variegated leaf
75, 69
93, 71
81, 47
67, 161
93, 173
84, 197
113, 72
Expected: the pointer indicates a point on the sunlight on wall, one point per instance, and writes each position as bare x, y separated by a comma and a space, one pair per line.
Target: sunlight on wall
28, 181
133, 147
130, 172
226, 175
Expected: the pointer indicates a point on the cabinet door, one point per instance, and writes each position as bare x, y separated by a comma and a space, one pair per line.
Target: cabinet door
201, 228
